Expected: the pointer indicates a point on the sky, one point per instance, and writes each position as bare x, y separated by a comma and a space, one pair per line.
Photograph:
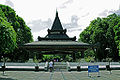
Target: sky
75, 15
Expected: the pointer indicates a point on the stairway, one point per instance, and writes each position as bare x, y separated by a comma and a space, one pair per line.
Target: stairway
60, 66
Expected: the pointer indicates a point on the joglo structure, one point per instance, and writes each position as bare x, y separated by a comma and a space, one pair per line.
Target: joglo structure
57, 42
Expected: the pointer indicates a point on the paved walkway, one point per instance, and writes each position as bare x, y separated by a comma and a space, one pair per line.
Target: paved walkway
83, 75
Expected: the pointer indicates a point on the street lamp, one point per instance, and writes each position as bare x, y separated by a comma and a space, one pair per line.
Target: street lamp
108, 66
108, 49
3, 65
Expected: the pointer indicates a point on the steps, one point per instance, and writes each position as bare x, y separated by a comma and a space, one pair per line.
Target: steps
60, 66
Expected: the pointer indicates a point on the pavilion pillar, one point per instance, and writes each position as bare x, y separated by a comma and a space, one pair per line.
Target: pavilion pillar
82, 54
73, 56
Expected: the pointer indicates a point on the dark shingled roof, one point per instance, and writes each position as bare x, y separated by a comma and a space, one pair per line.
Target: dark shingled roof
56, 45
57, 36
57, 32
57, 24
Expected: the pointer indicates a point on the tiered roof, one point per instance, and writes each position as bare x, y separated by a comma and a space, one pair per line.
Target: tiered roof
57, 40
57, 32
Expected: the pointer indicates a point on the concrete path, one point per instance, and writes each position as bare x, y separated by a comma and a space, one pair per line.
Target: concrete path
83, 75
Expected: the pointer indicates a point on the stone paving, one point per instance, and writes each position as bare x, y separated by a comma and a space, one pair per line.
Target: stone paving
61, 75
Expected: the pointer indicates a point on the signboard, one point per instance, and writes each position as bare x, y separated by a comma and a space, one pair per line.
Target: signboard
93, 68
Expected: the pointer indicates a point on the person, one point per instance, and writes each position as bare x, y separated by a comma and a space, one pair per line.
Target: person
57, 60
51, 65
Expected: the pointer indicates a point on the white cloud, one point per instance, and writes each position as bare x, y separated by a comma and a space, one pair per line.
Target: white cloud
64, 5
2, 1
9, 3
41, 33
38, 25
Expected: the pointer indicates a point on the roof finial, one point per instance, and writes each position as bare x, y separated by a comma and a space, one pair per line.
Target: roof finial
56, 13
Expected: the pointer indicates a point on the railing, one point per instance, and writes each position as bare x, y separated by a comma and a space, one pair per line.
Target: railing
93, 63
60, 65
24, 66
102, 65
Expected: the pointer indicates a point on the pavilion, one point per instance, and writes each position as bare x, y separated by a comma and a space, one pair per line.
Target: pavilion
57, 42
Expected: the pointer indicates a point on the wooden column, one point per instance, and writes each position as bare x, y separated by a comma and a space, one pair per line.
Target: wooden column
82, 54
73, 56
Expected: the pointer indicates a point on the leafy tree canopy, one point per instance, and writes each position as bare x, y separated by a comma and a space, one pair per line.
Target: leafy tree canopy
23, 31
106, 32
13, 31
7, 37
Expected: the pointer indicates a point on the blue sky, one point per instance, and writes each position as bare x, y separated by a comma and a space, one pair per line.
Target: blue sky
75, 15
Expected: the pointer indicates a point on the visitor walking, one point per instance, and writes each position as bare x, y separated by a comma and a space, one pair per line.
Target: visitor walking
51, 65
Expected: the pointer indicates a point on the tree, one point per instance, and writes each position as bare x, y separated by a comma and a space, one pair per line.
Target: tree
7, 37
102, 30
117, 36
23, 32
19, 55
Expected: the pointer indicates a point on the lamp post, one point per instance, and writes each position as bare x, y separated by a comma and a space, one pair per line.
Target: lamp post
3, 66
108, 66
108, 49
